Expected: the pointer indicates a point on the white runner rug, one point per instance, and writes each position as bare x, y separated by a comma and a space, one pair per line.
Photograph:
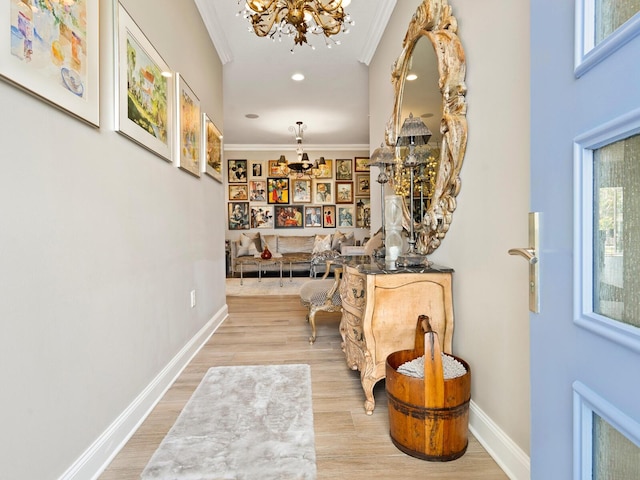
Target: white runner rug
245, 422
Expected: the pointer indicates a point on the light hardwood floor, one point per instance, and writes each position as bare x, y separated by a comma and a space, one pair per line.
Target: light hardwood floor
349, 444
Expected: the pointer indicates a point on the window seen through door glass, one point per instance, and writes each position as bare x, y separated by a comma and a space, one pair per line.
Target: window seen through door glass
611, 14
615, 457
616, 233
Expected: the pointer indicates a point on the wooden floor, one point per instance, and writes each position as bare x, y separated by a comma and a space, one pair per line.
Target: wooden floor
349, 444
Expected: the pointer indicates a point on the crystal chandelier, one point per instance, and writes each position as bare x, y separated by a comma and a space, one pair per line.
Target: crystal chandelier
302, 165
296, 18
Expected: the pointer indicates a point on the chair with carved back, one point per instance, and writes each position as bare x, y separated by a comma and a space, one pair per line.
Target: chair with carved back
321, 296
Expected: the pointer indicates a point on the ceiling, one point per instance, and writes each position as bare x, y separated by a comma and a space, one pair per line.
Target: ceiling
332, 100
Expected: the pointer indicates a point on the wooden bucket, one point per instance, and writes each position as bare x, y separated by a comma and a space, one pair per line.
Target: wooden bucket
428, 418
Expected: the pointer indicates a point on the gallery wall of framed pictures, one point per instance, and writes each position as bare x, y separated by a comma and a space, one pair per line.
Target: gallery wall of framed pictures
153, 104
262, 194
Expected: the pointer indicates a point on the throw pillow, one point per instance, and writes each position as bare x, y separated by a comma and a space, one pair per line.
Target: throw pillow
340, 239
322, 243
270, 241
249, 245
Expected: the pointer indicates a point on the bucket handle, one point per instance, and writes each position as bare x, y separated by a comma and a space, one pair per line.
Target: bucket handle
427, 344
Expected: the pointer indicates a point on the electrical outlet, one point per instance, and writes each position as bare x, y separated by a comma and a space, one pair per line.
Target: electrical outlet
193, 298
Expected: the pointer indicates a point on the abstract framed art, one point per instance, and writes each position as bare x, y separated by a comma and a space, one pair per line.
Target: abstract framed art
189, 130
261, 216
257, 190
52, 52
237, 171
144, 98
278, 190
212, 148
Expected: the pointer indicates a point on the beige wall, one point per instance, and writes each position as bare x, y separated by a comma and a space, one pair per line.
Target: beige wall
100, 245
490, 287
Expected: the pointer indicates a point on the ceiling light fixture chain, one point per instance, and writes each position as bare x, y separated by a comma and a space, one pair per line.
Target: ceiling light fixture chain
297, 18
302, 165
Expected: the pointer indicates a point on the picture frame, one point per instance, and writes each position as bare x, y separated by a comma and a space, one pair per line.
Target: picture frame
261, 216
363, 212
238, 192
346, 216
344, 192
362, 164
325, 170
256, 169
344, 169
136, 117
313, 216
236, 171
238, 215
329, 216
52, 52
275, 169
211, 148
288, 216
278, 190
301, 190
258, 191
363, 184
188, 118
322, 191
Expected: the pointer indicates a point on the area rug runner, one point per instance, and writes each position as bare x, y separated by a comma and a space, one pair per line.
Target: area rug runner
242, 422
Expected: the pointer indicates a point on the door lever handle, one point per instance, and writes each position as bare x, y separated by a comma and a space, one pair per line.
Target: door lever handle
531, 255
528, 253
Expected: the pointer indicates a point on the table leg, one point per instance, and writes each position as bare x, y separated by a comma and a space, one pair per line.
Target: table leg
281, 273
241, 269
290, 274
259, 264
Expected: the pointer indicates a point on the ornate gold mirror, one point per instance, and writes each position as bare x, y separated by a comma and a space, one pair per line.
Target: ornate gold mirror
432, 51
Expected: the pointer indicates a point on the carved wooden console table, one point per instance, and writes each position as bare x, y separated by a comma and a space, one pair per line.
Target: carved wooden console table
380, 310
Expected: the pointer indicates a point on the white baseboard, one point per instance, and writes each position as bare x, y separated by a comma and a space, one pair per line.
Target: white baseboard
511, 458
98, 456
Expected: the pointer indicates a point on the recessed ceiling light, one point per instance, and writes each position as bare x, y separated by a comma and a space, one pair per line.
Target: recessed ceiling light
298, 77
252, 115
411, 77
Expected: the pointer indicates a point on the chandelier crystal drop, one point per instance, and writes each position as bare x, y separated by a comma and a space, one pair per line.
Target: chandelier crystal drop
297, 18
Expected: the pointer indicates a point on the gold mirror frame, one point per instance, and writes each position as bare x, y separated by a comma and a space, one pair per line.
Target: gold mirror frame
433, 19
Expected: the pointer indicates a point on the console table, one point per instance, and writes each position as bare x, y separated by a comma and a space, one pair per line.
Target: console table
380, 312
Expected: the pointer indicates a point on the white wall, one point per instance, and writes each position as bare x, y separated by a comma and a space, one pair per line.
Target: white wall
267, 152
490, 287
101, 243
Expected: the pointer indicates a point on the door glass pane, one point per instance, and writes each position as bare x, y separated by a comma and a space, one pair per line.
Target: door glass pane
610, 14
616, 242
615, 457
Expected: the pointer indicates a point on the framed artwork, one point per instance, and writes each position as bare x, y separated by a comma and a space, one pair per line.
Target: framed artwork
323, 191
52, 52
144, 98
345, 216
362, 164
256, 169
238, 192
290, 216
329, 216
238, 215
363, 186
276, 170
301, 188
237, 171
212, 148
189, 129
363, 212
312, 216
326, 170
258, 191
277, 190
344, 169
261, 216
344, 192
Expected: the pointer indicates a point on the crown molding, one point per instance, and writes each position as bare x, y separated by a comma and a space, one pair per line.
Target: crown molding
271, 147
376, 30
212, 24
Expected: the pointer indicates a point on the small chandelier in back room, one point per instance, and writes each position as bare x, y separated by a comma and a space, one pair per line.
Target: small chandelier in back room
296, 18
302, 165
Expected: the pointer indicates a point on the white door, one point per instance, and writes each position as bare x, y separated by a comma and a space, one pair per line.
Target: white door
585, 181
